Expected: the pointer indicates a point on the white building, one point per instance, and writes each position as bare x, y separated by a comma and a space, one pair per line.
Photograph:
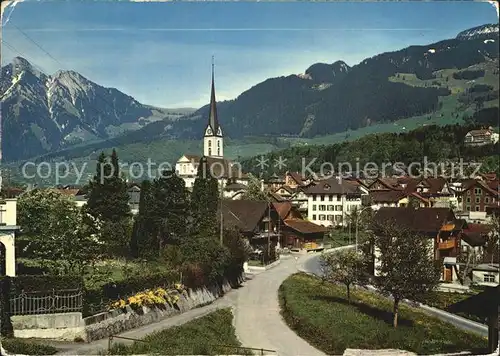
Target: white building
481, 137
8, 228
329, 202
486, 275
227, 172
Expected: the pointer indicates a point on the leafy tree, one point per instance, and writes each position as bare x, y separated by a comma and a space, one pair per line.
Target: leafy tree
143, 229
170, 208
204, 202
108, 201
61, 235
344, 267
254, 190
491, 250
407, 269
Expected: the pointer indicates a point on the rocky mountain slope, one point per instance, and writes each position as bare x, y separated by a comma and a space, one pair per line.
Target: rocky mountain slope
43, 113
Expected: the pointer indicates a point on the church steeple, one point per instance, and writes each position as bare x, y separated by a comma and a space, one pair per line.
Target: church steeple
213, 122
213, 141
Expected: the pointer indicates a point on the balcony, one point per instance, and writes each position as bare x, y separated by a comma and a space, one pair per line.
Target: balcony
447, 244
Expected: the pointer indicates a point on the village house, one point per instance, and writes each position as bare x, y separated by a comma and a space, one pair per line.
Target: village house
8, 229
279, 224
481, 137
438, 225
296, 179
475, 195
330, 201
274, 182
234, 191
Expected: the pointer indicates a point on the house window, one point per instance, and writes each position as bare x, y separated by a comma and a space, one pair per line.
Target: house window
322, 207
338, 197
330, 197
489, 278
315, 197
209, 143
477, 191
487, 200
218, 143
331, 208
468, 192
338, 207
478, 200
322, 198
477, 208
467, 208
209, 151
314, 207
322, 217
468, 200
331, 217
314, 216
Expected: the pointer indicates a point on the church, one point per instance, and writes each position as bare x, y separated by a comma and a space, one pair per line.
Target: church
228, 173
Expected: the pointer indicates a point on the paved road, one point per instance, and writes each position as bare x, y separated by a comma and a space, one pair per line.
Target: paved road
257, 314
311, 265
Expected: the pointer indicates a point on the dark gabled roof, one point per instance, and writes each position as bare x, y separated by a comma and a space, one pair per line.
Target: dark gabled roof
235, 186
287, 188
304, 226
297, 177
425, 220
387, 196
332, 186
283, 208
243, 214
476, 234
11, 192
483, 304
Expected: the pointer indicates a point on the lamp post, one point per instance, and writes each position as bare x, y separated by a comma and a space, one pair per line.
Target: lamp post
358, 215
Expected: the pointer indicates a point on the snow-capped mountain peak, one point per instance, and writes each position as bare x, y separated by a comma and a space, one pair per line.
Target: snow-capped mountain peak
479, 32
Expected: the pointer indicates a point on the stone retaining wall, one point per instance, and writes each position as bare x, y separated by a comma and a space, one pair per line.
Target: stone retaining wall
69, 326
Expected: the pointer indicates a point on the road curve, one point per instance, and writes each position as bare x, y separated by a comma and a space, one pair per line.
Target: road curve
312, 265
257, 317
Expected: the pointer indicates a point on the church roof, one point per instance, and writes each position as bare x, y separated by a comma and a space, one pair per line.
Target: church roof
213, 121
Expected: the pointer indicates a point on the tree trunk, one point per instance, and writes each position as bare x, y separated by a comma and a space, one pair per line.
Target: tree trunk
395, 312
348, 293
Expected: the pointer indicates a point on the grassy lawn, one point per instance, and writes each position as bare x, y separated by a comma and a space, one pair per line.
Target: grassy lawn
340, 238
18, 346
442, 300
203, 336
320, 314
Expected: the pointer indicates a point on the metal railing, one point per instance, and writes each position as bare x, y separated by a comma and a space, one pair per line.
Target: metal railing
261, 351
55, 301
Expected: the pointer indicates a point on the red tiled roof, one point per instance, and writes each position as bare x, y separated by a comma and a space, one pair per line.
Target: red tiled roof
386, 196
332, 186
419, 220
283, 209
304, 226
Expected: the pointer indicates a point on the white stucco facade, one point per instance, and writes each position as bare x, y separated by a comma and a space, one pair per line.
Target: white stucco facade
8, 227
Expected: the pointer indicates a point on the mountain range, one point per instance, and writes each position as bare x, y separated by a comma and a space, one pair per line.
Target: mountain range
45, 114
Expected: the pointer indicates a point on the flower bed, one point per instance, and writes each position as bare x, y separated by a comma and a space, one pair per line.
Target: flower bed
158, 297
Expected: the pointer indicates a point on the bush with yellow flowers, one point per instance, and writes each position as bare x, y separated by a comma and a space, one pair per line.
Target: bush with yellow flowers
158, 297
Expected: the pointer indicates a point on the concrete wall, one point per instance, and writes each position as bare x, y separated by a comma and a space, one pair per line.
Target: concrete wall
60, 326
68, 326
478, 278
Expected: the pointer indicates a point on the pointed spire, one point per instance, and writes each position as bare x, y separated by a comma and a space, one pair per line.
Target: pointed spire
212, 119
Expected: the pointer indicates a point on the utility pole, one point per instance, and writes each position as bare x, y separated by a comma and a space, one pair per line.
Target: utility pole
221, 215
269, 231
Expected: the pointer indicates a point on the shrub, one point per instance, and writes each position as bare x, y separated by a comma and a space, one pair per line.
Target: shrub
17, 346
43, 283
468, 74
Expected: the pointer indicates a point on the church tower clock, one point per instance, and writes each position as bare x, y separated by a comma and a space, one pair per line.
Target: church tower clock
213, 140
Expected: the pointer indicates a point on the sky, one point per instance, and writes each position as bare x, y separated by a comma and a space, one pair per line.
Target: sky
160, 52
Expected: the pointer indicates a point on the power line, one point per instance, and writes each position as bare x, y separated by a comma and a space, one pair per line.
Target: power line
36, 44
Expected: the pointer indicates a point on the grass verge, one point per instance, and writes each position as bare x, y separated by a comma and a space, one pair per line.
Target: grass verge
442, 300
17, 346
320, 314
212, 334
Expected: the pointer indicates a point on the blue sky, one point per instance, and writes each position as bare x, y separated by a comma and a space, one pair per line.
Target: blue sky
160, 53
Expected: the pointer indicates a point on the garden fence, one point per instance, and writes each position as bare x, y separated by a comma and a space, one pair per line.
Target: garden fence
39, 302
